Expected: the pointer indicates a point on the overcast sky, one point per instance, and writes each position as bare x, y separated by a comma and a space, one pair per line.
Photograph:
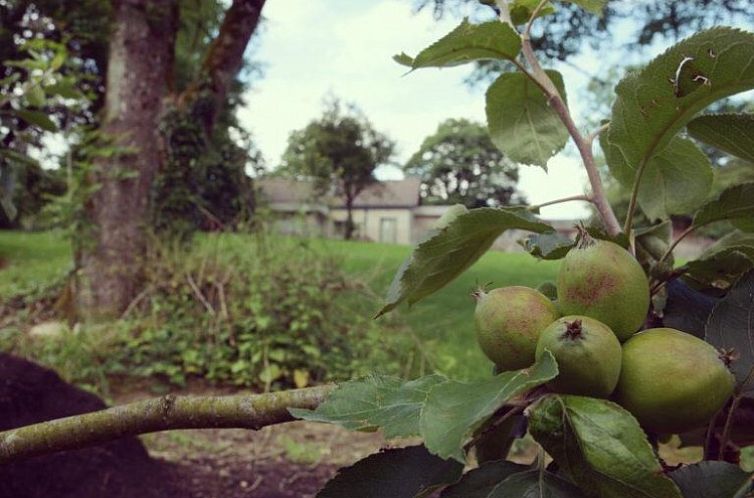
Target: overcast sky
312, 48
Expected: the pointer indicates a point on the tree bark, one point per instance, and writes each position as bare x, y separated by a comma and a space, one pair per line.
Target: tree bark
349, 219
159, 414
224, 59
139, 72
140, 65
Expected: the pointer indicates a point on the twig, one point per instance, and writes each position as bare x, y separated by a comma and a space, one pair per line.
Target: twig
135, 302
581, 197
596, 133
670, 249
157, 414
199, 294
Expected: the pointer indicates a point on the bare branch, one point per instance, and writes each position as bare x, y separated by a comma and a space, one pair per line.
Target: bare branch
586, 198
157, 414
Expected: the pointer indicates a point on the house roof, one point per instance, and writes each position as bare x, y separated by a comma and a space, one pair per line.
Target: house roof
280, 191
391, 193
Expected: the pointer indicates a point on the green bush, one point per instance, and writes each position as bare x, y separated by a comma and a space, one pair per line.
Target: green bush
234, 309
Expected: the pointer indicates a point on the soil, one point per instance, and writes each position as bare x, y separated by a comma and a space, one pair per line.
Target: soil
289, 460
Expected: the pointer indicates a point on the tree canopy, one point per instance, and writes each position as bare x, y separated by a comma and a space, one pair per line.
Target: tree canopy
459, 164
338, 152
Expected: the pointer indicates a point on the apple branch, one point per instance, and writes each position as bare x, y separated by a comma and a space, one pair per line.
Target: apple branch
158, 414
584, 145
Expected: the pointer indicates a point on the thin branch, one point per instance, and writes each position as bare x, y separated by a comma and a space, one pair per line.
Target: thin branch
199, 295
675, 243
534, 14
157, 414
581, 197
596, 133
555, 100
633, 200
585, 149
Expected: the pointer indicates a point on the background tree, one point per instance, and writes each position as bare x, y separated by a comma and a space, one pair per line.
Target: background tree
459, 164
338, 152
184, 59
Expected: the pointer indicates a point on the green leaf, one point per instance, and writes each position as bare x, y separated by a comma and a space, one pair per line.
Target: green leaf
37, 118
521, 122
601, 446
687, 309
731, 133
467, 43
676, 180
593, 6
13, 155
521, 10
712, 479
735, 204
548, 245
36, 96
653, 104
652, 242
65, 89
481, 482
375, 402
723, 262
731, 327
396, 473
503, 479
449, 250
453, 410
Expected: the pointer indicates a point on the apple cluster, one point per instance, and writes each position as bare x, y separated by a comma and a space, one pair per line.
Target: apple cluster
669, 380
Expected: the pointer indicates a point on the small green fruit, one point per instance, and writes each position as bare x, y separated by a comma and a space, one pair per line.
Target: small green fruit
672, 381
588, 356
509, 321
602, 280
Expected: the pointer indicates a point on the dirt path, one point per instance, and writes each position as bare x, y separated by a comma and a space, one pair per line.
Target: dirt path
288, 460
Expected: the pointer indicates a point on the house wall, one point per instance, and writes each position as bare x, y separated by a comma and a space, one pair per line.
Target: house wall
301, 224
373, 223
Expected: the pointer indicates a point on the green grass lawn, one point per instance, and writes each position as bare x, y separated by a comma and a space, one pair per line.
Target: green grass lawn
32, 260
445, 320
442, 322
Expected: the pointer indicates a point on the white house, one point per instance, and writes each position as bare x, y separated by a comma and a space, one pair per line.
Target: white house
388, 212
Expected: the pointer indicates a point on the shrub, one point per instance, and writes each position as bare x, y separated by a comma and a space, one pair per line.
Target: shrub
234, 309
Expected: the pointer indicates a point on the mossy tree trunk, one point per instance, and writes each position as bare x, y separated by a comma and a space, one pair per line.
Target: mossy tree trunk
138, 87
139, 72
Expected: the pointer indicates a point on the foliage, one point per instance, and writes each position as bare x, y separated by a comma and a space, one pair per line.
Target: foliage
459, 164
338, 152
597, 445
204, 183
570, 27
33, 85
261, 312
36, 260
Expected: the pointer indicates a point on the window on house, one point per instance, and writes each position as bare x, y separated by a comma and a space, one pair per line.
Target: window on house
389, 230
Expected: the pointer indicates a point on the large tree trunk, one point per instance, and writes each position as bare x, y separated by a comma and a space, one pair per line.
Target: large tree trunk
139, 72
